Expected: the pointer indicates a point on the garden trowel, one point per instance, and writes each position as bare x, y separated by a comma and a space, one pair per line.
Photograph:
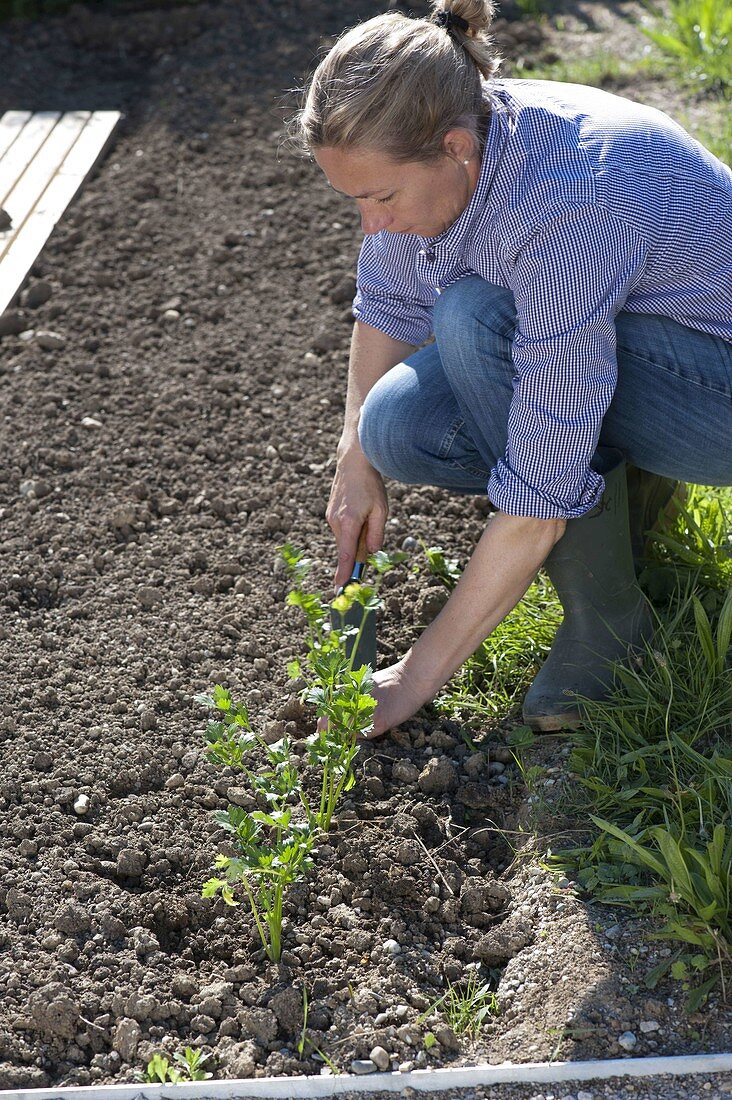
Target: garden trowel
363, 637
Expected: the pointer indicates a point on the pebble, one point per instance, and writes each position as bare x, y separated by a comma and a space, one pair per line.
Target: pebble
363, 1065
627, 1040
391, 947
438, 777
148, 720
12, 323
38, 294
90, 422
409, 544
49, 341
648, 1026
148, 596
131, 863
404, 771
81, 807
380, 1058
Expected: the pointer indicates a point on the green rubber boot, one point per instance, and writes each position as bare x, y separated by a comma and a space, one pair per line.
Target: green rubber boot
605, 612
653, 502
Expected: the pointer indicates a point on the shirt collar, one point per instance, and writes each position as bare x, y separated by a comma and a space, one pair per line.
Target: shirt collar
453, 238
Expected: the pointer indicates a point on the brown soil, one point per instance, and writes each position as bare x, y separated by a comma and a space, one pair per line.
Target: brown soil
152, 464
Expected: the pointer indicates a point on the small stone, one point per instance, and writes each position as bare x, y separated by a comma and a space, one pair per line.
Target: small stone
584, 1095
127, 1035
391, 947
203, 1024
171, 315
404, 771
647, 1026
175, 781
363, 1065
380, 1058
409, 544
148, 720
496, 767
149, 597
447, 1038
12, 323
438, 777
72, 918
49, 341
474, 764
627, 1040
81, 805
408, 852
90, 422
38, 294
131, 863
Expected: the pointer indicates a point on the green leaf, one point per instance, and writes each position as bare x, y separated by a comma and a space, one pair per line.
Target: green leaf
704, 633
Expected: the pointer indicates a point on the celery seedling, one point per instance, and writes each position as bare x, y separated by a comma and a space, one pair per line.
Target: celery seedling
274, 852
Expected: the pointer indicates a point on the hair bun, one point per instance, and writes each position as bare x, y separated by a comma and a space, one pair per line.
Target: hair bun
476, 15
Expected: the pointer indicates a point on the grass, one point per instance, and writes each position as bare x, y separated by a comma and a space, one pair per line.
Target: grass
695, 35
493, 681
464, 1007
653, 769
652, 765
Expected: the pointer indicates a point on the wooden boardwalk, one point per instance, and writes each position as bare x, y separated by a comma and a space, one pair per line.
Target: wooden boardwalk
45, 157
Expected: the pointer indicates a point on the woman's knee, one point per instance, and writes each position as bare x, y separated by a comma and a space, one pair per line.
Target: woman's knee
470, 301
377, 428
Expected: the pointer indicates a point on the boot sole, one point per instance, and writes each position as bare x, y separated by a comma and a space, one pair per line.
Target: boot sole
550, 723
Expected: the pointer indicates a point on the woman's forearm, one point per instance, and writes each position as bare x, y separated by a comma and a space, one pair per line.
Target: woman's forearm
503, 565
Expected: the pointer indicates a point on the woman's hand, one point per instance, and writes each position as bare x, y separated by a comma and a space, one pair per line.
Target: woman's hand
397, 696
357, 499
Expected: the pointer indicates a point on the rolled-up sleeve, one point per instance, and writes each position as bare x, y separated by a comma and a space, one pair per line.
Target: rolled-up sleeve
569, 282
389, 295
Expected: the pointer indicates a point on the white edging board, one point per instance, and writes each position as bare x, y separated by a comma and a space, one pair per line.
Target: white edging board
282, 1088
44, 160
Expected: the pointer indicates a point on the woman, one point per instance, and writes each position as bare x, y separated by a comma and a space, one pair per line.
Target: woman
571, 252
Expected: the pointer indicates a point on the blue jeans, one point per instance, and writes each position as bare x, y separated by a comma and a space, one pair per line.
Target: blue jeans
441, 416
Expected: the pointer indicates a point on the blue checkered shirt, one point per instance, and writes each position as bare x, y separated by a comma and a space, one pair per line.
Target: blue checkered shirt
587, 204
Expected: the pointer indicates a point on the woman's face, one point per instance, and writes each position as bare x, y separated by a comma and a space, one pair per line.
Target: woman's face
411, 197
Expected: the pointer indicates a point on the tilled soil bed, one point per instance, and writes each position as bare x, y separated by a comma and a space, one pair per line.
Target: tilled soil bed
155, 455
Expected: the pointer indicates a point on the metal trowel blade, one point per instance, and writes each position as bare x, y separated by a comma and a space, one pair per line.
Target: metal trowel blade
365, 643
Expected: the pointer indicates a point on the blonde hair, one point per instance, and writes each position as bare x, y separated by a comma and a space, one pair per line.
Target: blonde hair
397, 85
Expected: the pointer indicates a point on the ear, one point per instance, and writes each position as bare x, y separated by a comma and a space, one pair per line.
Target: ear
459, 143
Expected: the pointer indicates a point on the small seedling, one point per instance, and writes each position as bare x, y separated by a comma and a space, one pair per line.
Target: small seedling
185, 1067
341, 694
273, 850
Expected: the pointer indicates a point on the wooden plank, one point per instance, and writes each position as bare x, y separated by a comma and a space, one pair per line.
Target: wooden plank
82, 158
24, 148
11, 124
30, 186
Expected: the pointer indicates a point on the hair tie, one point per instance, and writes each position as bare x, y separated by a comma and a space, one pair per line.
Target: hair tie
448, 20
